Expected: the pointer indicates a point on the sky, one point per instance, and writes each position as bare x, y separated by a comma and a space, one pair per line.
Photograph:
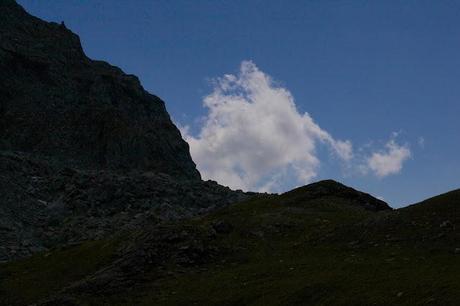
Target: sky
272, 95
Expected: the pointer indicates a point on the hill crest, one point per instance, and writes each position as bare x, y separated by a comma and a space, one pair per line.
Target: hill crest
331, 188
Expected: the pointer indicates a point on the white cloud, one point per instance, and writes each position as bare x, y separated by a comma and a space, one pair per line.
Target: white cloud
253, 136
390, 160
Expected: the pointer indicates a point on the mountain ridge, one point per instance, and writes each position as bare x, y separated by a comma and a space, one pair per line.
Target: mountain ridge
58, 103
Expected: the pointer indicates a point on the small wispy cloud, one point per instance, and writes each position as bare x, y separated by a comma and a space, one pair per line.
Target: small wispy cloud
390, 160
421, 142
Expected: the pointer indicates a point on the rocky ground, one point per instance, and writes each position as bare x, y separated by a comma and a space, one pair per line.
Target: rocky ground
43, 207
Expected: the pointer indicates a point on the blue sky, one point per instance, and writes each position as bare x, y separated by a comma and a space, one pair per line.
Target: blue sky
363, 70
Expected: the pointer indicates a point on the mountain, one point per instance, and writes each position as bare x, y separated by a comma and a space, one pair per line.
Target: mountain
84, 149
71, 110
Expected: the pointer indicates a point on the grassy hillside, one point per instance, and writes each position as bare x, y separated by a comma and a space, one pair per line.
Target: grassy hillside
317, 245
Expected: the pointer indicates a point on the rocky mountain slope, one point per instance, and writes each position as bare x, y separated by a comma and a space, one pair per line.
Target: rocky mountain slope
43, 207
58, 103
84, 149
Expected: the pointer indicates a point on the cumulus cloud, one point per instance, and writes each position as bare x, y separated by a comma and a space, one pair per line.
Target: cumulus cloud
389, 161
254, 138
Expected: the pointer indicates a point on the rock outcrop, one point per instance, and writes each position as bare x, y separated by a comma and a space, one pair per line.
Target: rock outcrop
57, 103
44, 207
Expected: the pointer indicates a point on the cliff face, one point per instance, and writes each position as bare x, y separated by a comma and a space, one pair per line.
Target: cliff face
57, 103
85, 151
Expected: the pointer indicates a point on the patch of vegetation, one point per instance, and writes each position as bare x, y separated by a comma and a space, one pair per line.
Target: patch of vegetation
275, 250
318, 276
29, 280
321, 252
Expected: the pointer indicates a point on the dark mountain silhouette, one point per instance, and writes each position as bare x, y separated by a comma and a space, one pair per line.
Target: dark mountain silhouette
58, 103
333, 189
84, 149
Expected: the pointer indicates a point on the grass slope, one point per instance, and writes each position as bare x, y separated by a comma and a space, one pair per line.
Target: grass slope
290, 249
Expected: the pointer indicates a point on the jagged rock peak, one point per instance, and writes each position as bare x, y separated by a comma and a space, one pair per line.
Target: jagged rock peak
57, 103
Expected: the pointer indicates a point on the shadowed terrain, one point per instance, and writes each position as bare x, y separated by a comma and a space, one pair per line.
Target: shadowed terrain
101, 204
295, 248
